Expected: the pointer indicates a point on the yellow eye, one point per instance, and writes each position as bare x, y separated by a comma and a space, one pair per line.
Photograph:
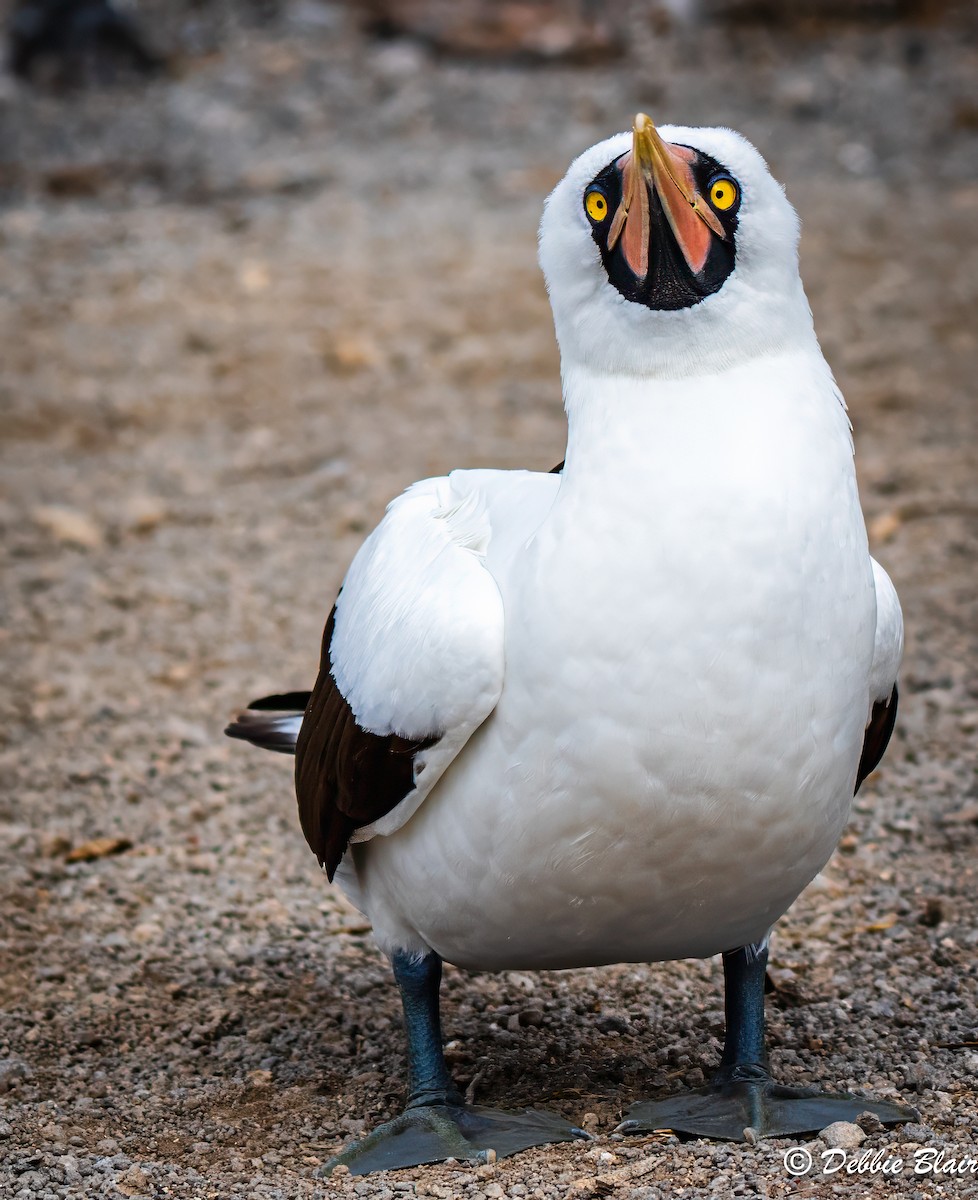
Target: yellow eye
723, 194
596, 206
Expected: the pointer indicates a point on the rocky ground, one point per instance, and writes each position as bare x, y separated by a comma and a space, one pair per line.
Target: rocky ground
242, 305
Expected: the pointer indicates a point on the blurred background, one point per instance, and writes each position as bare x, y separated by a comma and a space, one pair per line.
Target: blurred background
263, 265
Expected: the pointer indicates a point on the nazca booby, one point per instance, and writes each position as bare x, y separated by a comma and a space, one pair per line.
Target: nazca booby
615, 712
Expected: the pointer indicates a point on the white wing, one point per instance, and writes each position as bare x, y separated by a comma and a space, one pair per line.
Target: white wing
417, 649
888, 649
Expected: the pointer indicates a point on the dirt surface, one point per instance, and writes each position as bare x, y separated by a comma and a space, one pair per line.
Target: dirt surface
241, 308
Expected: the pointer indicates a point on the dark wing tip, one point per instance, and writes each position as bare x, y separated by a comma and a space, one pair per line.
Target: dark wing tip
877, 736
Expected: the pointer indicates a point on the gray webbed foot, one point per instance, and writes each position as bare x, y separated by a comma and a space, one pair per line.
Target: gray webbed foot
742, 1095
747, 1098
431, 1133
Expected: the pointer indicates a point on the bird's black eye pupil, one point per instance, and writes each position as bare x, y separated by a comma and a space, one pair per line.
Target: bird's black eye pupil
595, 205
723, 193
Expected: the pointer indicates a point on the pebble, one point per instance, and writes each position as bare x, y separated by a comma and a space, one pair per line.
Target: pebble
12, 1072
870, 1123
141, 514
68, 525
922, 1135
842, 1135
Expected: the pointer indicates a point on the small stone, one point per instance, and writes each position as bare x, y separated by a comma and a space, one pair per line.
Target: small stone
146, 932
918, 1076
612, 1024
140, 514
921, 1135
12, 1071
842, 1135
454, 1051
135, 1182
69, 525
70, 1168
349, 353
870, 1123
531, 1016
884, 528
98, 848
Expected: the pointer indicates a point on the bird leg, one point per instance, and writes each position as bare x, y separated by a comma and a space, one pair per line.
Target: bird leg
429, 1081
741, 1096
437, 1123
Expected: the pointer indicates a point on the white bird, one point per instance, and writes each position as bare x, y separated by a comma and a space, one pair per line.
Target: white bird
615, 713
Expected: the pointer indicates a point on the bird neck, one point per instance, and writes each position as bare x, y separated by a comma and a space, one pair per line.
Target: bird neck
623, 427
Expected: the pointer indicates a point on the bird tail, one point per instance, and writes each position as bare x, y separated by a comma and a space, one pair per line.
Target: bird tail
272, 723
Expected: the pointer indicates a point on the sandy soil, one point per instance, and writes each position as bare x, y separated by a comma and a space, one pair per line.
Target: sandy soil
240, 309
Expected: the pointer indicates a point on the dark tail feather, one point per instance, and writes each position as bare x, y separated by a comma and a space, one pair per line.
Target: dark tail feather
272, 723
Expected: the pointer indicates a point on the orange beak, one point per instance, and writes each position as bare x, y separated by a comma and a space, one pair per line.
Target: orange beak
653, 163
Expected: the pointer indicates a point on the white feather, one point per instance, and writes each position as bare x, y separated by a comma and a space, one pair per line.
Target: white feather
888, 648
417, 648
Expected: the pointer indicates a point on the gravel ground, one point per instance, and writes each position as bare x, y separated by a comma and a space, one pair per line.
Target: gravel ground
243, 306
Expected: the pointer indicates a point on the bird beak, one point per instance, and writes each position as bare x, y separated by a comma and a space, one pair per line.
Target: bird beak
653, 163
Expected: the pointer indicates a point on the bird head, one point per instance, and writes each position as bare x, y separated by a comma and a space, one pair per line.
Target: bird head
669, 252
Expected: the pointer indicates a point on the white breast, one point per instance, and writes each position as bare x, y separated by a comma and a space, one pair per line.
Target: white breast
689, 635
